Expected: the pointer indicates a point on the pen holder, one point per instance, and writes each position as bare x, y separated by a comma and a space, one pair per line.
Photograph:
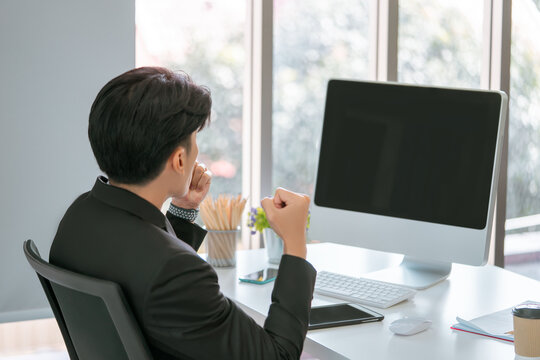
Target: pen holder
221, 246
274, 246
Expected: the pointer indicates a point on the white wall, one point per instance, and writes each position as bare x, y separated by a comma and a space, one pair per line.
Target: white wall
55, 56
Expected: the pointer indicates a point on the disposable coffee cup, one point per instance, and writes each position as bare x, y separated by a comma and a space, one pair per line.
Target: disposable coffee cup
527, 331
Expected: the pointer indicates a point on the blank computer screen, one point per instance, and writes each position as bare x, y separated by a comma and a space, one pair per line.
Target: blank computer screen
410, 152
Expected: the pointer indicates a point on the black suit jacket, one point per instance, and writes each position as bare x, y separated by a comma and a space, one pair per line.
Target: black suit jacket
111, 233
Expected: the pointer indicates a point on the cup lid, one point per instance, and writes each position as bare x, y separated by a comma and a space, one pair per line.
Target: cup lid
527, 311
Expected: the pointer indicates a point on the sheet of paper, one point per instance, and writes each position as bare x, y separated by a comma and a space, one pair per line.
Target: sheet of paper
498, 323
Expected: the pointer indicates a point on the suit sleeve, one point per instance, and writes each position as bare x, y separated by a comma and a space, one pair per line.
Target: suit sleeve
187, 316
188, 232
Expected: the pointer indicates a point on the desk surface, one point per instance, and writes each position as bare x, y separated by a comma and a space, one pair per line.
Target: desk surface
468, 292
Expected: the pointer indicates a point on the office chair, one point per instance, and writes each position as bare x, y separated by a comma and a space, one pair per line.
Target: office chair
93, 315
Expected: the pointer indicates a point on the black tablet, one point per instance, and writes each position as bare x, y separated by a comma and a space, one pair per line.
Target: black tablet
340, 314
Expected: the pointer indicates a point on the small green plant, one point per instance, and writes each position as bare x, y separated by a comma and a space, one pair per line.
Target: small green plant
257, 220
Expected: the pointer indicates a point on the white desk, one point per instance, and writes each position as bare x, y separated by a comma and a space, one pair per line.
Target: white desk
468, 292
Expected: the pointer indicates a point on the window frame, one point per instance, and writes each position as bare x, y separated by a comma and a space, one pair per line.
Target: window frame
383, 60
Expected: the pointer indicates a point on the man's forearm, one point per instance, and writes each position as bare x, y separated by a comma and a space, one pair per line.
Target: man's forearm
191, 234
291, 301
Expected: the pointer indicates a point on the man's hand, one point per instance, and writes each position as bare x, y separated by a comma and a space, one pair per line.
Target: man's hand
287, 214
200, 184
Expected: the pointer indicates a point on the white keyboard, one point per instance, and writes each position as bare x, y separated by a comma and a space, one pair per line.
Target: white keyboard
362, 291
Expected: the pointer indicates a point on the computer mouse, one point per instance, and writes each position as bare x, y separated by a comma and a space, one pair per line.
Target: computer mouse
409, 326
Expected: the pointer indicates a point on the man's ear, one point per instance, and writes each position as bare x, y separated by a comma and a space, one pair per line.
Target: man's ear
178, 160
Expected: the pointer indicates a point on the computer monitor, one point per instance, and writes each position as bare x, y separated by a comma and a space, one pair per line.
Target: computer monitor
411, 170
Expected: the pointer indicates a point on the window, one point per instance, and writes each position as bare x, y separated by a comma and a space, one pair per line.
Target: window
440, 42
522, 244
312, 44
206, 40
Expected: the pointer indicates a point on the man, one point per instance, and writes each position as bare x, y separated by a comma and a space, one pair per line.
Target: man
143, 132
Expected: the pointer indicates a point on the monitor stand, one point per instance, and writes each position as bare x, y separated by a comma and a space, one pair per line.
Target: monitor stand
413, 273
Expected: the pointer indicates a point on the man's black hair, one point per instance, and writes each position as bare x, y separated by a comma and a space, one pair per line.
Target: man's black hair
140, 117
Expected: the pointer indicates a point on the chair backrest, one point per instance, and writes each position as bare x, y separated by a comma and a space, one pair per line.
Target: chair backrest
93, 314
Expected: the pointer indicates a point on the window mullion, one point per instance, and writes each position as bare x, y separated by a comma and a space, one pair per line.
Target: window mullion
496, 76
500, 80
257, 150
387, 39
247, 118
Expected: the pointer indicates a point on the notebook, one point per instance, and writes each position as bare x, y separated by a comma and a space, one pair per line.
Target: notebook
498, 325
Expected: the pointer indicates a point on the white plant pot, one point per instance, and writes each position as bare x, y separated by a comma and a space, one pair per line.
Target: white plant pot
274, 246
